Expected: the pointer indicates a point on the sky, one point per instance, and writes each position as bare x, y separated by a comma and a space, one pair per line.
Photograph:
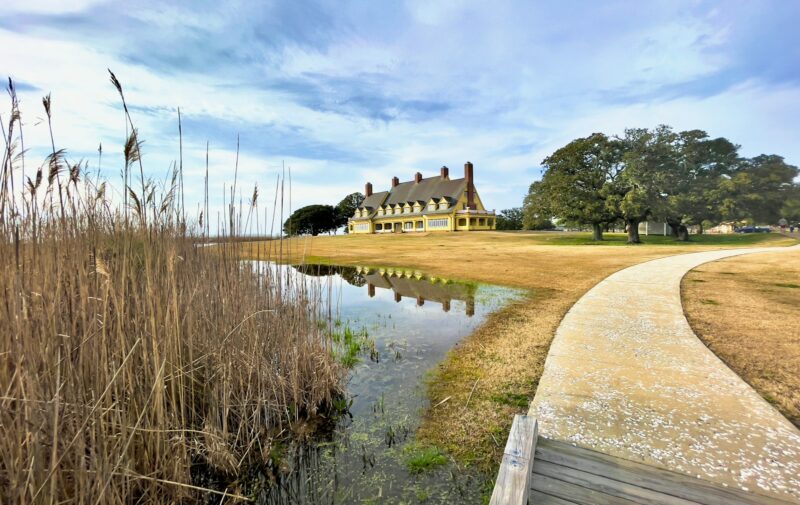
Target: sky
341, 93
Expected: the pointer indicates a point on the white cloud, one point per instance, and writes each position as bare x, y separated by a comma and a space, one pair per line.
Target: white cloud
512, 83
48, 6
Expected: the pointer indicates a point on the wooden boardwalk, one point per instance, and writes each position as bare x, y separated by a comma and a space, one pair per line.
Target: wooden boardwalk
539, 471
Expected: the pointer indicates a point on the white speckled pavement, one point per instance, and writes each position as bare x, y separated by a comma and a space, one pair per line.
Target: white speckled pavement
627, 376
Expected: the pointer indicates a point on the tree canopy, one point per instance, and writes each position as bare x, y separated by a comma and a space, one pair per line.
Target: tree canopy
347, 207
681, 178
578, 181
509, 219
311, 219
316, 219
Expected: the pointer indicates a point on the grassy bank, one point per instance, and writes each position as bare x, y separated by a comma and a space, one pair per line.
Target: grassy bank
135, 365
494, 373
745, 309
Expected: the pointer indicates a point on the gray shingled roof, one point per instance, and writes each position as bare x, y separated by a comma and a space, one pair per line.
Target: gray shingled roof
374, 200
422, 191
432, 187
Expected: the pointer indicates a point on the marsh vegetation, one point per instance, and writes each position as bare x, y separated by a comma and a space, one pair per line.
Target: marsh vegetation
133, 363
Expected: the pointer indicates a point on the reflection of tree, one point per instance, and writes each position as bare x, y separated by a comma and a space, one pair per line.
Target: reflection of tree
352, 277
349, 274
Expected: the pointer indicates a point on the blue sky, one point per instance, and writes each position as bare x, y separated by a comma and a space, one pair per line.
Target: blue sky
345, 92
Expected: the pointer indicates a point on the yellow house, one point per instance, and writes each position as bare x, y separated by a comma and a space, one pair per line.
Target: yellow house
422, 205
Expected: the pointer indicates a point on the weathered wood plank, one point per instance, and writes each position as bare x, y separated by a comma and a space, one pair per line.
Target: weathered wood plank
539, 498
646, 476
513, 479
575, 493
606, 485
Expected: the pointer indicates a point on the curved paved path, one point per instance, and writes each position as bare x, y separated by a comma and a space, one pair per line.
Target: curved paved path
627, 376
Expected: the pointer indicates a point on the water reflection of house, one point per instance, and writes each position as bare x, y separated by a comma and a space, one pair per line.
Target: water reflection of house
410, 284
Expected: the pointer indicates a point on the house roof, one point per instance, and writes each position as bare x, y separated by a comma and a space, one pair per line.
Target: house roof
432, 187
423, 191
373, 201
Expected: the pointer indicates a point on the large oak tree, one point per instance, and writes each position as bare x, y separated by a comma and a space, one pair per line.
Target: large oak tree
578, 182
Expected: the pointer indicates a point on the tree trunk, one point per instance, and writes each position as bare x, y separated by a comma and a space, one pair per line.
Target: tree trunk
700, 229
673, 229
597, 231
633, 231
683, 233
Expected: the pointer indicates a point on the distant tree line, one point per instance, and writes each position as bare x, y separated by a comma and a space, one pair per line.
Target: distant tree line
680, 178
316, 219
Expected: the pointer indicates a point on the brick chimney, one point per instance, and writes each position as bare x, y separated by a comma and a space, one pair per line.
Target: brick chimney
445, 173
468, 175
417, 177
395, 181
368, 189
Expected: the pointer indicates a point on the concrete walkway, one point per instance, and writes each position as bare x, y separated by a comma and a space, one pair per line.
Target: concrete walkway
627, 376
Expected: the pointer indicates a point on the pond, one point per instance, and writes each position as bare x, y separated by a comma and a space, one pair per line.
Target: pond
406, 321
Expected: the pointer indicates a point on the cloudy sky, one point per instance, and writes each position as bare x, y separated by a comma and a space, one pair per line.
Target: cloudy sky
345, 92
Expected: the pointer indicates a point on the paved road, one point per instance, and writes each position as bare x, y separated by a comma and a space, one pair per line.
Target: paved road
627, 376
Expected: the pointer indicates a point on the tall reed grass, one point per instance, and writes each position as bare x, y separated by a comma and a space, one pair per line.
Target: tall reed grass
129, 355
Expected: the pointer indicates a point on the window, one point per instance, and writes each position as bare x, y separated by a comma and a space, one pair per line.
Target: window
378, 227
380, 211
439, 223
443, 205
420, 225
408, 225
472, 221
431, 206
462, 222
482, 222
362, 227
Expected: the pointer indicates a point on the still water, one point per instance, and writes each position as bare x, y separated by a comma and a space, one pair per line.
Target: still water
408, 321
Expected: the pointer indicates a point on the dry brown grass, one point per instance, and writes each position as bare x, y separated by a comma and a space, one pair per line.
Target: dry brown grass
745, 309
504, 359
129, 356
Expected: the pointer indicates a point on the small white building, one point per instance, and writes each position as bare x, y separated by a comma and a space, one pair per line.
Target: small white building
653, 228
722, 228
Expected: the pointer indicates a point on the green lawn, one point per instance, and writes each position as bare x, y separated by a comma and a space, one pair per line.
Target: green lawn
735, 239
